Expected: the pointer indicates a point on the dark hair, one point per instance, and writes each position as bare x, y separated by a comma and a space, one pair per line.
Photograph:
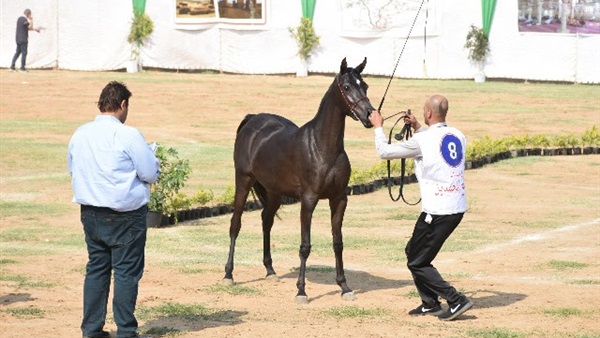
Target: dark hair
112, 95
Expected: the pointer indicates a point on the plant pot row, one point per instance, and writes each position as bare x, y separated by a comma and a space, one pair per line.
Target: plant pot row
480, 162
360, 189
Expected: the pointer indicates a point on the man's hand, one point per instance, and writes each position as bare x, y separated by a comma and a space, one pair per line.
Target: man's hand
376, 119
411, 119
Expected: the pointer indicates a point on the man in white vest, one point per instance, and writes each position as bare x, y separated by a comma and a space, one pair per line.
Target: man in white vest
439, 153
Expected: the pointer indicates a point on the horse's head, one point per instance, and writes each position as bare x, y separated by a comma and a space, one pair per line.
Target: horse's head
354, 92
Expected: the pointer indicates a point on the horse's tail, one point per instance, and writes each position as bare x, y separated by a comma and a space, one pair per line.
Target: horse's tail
244, 121
260, 192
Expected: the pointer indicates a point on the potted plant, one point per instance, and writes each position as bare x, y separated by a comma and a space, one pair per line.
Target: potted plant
478, 45
164, 197
141, 27
307, 40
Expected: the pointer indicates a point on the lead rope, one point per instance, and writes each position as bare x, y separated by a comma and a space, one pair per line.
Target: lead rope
406, 132
399, 56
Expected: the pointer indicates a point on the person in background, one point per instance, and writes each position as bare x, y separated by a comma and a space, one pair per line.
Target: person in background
111, 166
439, 153
24, 25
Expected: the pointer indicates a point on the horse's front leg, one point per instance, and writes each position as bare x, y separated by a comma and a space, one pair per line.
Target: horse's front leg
306, 211
338, 207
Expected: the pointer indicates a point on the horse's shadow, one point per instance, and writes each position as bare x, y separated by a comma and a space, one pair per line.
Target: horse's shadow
364, 282
167, 325
360, 281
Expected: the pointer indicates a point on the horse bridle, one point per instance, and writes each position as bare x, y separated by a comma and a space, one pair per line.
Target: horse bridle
348, 103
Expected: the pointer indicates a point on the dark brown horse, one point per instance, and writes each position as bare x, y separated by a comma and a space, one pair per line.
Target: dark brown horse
276, 158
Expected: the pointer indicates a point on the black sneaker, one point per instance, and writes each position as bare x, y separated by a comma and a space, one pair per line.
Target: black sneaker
424, 309
102, 334
456, 309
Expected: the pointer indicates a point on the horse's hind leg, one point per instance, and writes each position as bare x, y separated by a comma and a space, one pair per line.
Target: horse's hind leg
338, 207
242, 188
268, 218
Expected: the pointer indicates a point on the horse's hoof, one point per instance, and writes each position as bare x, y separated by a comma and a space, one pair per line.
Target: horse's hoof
302, 300
227, 281
272, 278
349, 296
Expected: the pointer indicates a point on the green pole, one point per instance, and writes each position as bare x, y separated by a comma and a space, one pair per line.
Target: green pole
139, 6
487, 15
308, 8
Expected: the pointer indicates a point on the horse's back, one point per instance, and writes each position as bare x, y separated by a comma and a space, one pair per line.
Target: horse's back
267, 121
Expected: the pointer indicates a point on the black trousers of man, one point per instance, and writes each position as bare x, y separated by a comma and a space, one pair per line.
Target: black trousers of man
426, 241
21, 50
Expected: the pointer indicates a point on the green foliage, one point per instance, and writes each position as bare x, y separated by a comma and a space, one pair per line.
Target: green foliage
493, 333
228, 196
141, 27
563, 312
25, 312
175, 310
591, 137
379, 171
478, 44
484, 147
189, 312
233, 289
174, 172
305, 37
563, 265
341, 312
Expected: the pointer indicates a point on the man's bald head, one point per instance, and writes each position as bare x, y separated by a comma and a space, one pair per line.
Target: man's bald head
438, 105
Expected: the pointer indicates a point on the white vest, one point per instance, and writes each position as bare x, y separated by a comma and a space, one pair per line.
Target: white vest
440, 170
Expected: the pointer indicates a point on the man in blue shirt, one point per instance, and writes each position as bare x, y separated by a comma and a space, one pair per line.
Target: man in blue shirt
111, 166
24, 25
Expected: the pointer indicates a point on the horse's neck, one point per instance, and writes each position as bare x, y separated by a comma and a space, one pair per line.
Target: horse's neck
329, 123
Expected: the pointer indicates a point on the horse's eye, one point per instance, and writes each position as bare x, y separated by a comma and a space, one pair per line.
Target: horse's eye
346, 87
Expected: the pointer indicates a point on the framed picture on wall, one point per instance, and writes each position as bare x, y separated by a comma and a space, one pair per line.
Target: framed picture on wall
216, 11
373, 17
559, 16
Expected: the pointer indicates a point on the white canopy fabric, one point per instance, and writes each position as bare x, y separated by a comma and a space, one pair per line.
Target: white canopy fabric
91, 35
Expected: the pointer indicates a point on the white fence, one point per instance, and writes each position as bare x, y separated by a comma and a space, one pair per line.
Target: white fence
91, 35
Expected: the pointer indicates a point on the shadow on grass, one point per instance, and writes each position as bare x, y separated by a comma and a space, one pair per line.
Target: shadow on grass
15, 298
167, 325
489, 298
359, 281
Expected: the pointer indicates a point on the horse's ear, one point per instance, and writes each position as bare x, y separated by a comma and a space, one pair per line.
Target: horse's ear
343, 66
361, 67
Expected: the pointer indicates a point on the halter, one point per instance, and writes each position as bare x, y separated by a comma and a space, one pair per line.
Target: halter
350, 105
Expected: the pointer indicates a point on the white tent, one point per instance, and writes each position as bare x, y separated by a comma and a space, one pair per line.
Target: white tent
91, 35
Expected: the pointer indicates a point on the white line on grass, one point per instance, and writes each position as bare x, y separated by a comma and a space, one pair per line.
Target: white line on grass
538, 236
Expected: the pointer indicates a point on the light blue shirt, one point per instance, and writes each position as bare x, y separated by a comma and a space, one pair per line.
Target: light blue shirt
111, 165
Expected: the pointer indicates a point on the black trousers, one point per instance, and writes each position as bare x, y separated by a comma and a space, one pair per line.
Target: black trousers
422, 248
21, 50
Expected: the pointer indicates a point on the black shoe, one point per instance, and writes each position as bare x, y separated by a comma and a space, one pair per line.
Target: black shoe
23, 70
456, 309
102, 334
424, 309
